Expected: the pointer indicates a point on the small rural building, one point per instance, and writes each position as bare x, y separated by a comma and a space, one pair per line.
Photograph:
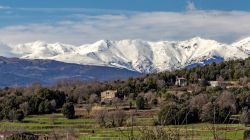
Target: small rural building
214, 83
226, 84
180, 81
108, 96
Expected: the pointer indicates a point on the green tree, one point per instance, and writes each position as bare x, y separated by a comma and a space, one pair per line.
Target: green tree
48, 107
140, 102
41, 108
19, 115
245, 116
68, 110
213, 113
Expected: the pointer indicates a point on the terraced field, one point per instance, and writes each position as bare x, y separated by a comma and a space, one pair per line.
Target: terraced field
88, 129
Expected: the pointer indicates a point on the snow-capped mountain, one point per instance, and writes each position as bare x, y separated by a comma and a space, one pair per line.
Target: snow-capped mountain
136, 55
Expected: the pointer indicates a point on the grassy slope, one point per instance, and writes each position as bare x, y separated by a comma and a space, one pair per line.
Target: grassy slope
83, 128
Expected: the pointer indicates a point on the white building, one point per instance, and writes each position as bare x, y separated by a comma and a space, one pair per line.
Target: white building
181, 82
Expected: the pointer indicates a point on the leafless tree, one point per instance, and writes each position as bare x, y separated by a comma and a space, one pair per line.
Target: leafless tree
93, 98
88, 108
149, 96
114, 118
25, 108
100, 117
116, 102
227, 99
198, 101
244, 81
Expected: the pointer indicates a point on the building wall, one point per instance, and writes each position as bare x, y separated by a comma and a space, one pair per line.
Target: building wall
214, 83
181, 82
108, 95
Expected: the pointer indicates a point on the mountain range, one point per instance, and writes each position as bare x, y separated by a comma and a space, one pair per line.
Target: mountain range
135, 55
47, 63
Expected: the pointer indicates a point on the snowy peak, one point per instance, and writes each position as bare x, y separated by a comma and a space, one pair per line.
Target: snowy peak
136, 55
41, 50
243, 45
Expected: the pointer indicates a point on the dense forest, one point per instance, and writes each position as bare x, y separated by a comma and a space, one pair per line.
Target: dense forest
200, 104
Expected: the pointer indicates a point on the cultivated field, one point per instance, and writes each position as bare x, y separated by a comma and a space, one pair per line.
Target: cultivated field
88, 129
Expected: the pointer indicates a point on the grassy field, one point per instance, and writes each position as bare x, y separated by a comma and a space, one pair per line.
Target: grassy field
87, 129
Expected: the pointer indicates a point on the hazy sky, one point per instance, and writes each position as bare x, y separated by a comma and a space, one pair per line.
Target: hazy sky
86, 21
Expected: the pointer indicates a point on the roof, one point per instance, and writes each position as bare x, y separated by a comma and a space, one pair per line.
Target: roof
109, 91
181, 78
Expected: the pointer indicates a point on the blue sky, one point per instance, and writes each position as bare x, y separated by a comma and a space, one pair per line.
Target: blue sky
137, 5
86, 21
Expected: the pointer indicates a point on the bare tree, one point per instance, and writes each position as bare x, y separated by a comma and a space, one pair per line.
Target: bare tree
100, 117
88, 108
25, 108
245, 116
227, 99
244, 81
115, 118
198, 101
93, 98
116, 102
70, 133
149, 96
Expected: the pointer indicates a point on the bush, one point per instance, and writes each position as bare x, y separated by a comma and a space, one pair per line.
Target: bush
157, 133
41, 108
19, 115
68, 110
1, 116
246, 134
45, 107
100, 117
140, 102
25, 108
111, 119
214, 114
167, 114
154, 102
177, 114
11, 115
245, 117
116, 118
48, 107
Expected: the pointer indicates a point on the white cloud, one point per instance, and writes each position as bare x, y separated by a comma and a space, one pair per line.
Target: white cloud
4, 7
190, 6
218, 25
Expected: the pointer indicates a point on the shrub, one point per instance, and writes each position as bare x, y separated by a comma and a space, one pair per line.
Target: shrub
213, 113
19, 115
157, 133
25, 108
100, 117
48, 107
245, 117
111, 119
167, 114
177, 114
11, 115
41, 108
140, 102
154, 102
246, 134
116, 118
68, 110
